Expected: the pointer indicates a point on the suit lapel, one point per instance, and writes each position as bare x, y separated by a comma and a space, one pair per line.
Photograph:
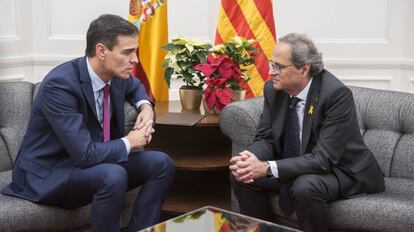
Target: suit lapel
86, 85
281, 103
117, 103
311, 108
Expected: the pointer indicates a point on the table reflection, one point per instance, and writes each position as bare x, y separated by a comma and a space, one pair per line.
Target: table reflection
211, 219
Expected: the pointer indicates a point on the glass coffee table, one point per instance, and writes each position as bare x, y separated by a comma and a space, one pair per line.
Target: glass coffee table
212, 219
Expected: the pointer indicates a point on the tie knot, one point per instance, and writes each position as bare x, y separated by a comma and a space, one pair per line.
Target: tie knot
293, 102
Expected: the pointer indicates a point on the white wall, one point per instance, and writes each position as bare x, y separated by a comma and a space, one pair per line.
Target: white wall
365, 43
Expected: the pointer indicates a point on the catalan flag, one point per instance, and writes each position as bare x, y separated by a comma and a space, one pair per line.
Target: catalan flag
150, 17
251, 19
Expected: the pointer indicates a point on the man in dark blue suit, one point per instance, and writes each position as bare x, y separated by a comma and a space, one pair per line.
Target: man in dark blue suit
74, 152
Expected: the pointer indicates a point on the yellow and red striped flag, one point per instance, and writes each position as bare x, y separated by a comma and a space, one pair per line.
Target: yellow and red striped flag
150, 16
251, 19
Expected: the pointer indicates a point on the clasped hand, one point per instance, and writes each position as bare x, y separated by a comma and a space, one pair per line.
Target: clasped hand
142, 130
138, 138
246, 167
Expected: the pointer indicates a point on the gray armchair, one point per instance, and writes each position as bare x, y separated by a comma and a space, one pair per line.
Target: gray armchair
386, 121
21, 215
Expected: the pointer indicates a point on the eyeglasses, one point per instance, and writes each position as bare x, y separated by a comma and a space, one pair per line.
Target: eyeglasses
277, 67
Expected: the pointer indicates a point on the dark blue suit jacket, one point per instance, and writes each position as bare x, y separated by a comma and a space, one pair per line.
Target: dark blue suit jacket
63, 132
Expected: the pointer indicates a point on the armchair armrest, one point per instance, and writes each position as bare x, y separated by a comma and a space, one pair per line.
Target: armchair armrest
130, 115
239, 121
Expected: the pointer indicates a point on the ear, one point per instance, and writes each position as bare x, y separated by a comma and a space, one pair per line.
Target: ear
305, 70
100, 51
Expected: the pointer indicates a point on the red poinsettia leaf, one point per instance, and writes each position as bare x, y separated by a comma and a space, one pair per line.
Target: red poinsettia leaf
226, 59
220, 81
243, 84
224, 96
215, 82
237, 69
210, 58
217, 60
210, 97
225, 228
211, 82
207, 91
238, 77
229, 69
226, 70
206, 69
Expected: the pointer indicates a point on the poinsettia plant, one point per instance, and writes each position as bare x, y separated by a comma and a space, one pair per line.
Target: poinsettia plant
225, 69
220, 72
183, 54
242, 52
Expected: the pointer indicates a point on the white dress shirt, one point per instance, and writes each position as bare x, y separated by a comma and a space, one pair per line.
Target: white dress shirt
300, 110
97, 86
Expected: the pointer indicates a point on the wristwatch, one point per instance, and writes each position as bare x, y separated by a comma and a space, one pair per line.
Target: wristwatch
269, 173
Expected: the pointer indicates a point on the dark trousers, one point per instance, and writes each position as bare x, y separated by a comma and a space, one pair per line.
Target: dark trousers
105, 185
311, 194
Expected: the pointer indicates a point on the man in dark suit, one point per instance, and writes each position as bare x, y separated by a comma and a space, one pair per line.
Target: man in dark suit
308, 147
74, 151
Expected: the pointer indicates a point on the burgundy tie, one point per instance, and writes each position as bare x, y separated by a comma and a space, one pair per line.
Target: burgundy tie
106, 116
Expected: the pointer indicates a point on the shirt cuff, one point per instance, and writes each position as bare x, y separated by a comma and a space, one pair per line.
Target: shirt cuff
127, 144
140, 102
273, 168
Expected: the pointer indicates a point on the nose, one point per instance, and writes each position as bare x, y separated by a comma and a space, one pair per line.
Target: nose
272, 71
134, 58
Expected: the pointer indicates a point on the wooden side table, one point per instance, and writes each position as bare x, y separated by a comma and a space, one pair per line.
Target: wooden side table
201, 154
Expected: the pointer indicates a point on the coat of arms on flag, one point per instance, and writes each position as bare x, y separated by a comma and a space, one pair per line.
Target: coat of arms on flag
150, 17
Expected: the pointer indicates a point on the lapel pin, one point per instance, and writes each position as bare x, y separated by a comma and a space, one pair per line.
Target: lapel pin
310, 111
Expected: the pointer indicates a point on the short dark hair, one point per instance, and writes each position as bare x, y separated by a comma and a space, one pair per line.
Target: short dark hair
304, 52
106, 29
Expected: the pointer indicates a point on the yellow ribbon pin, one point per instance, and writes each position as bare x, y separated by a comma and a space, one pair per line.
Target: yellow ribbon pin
310, 111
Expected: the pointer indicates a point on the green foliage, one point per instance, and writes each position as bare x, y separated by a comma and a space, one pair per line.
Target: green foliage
238, 49
182, 56
241, 51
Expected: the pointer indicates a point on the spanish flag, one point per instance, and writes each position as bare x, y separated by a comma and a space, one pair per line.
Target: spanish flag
150, 17
251, 19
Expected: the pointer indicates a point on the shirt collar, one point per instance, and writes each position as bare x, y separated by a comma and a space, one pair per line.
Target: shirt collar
97, 82
304, 93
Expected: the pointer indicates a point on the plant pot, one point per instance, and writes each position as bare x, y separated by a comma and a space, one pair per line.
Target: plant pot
190, 97
239, 94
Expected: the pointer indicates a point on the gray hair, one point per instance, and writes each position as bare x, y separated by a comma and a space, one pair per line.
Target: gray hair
304, 52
